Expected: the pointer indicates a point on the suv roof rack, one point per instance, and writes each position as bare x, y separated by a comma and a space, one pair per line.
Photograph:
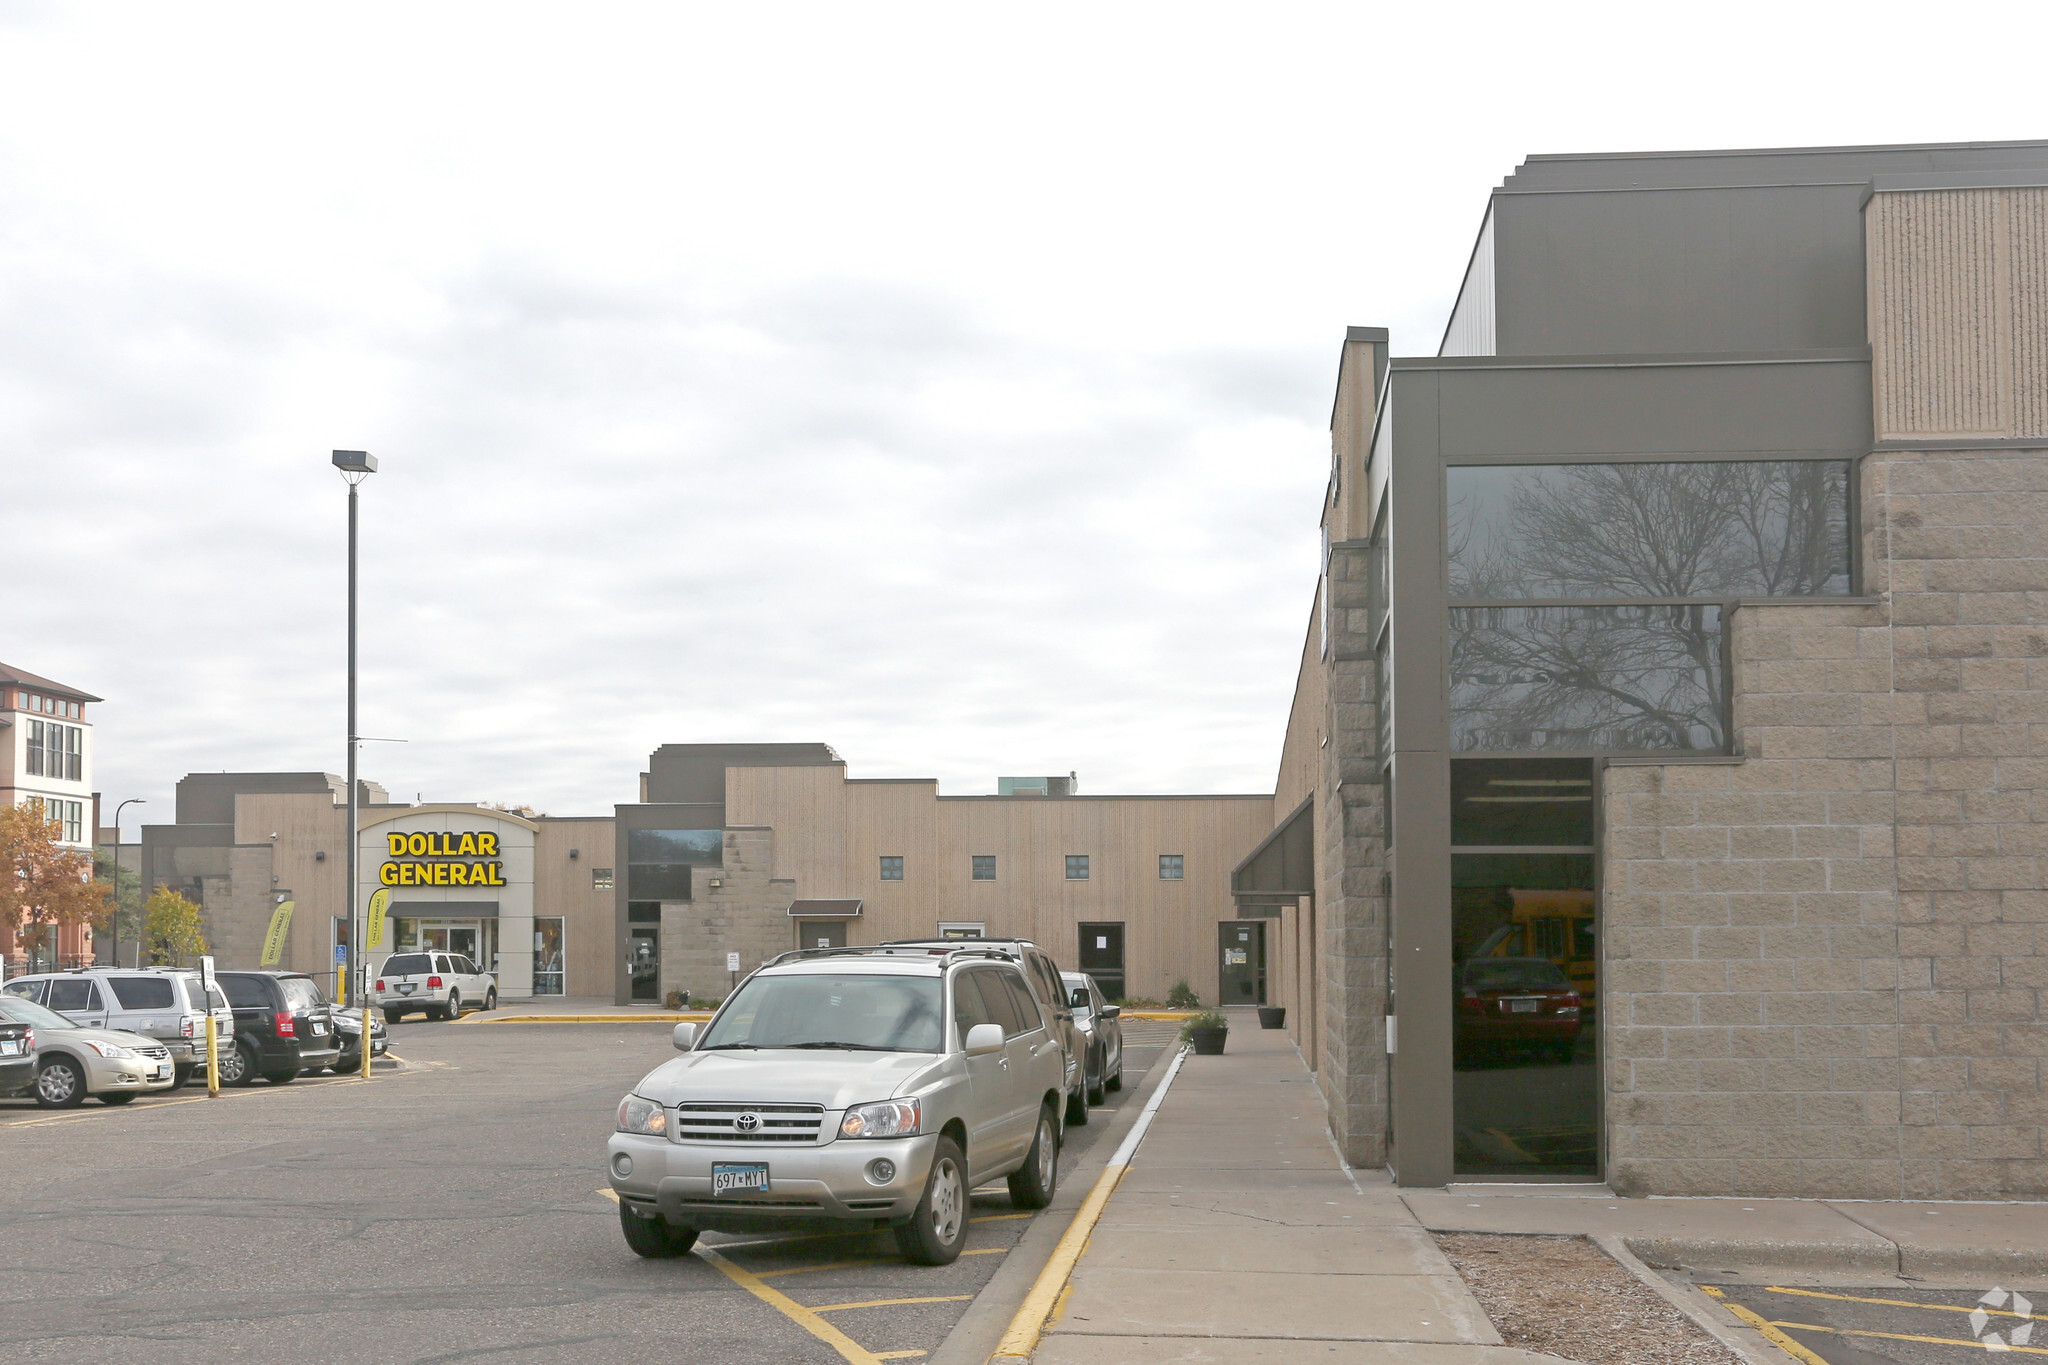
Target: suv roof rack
895, 949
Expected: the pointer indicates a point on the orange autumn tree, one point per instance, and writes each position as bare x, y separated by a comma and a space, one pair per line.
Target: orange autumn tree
42, 883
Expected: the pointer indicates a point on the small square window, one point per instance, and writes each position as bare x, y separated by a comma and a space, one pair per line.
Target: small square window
1077, 867
600, 879
1172, 867
892, 868
984, 867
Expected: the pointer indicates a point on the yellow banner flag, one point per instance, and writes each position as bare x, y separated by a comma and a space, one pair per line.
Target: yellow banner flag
273, 942
373, 937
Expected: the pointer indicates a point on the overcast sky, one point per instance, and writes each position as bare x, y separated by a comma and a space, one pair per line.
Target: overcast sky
946, 383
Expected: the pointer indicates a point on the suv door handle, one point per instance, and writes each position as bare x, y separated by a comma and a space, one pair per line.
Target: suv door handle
1003, 1062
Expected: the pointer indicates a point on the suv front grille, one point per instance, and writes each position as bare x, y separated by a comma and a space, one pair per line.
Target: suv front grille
772, 1123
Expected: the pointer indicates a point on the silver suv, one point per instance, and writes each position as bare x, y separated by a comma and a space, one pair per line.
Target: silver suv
160, 1003
1044, 975
865, 1087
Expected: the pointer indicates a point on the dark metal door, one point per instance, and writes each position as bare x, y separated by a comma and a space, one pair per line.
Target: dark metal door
1102, 957
646, 961
1241, 962
821, 933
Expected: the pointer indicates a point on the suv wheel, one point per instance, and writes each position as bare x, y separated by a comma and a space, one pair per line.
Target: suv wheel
491, 998
1077, 1103
60, 1084
934, 1233
653, 1237
393, 1016
1098, 1085
235, 1067
280, 1077
453, 1009
1032, 1184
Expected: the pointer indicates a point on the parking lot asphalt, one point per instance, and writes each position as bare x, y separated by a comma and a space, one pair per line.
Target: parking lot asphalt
1890, 1325
448, 1210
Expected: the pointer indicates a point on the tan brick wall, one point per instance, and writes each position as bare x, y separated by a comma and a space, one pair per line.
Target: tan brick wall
1827, 963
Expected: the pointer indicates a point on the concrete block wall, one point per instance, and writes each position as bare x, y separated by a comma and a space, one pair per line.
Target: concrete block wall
1826, 965
747, 914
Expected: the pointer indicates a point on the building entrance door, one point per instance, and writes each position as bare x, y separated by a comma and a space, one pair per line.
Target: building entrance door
1102, 957
1241, 965
645, 961
821, 933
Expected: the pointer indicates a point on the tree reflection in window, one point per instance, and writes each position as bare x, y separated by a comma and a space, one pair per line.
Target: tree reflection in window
1586, 678
1733, 528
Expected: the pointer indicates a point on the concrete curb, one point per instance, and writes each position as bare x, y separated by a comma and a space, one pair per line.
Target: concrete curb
1711, 1317
1688, 1253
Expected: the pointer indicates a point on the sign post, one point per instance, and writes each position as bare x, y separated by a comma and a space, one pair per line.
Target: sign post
341, 974
212, 1033
732, 970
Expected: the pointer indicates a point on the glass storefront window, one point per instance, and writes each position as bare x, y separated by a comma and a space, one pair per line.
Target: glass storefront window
1611, 678
1721, 528
1545, 802
547, 955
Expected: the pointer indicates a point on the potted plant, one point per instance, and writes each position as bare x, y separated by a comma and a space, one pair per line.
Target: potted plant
1206, 1031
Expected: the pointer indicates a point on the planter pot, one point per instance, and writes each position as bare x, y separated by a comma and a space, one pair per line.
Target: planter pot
1208, 1041
1272, 1016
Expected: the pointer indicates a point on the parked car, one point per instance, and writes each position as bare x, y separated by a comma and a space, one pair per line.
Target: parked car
282, 1027
1044, 975
17, 1057
72, 1061
1515, 1004
1101, 1027
863, 1087
162, 1003
348, 1029
438, 985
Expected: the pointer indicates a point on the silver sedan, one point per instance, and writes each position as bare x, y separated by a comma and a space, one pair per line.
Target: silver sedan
1100, 1024
73, 1061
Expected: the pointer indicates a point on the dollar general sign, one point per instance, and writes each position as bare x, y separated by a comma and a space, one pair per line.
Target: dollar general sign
442, 850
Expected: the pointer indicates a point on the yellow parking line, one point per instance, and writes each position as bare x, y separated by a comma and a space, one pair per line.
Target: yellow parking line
897, 1355
612, 1195
1769, 1332
807, 1269
890, 1303
1000, 1217
1901, 1336
1908, 1303
803, 1317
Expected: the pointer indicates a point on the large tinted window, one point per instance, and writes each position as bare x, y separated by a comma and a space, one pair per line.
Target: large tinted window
300, 993
245, 993
73, 995
1725, 528
406, 964
893, 1013
1521, 801
1594, 678
142, 992
694, 847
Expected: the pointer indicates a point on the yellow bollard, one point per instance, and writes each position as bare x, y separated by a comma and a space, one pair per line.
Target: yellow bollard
212, 1056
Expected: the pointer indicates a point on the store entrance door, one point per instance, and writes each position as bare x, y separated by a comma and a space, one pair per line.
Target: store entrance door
821, 933
1241, 966
645, 961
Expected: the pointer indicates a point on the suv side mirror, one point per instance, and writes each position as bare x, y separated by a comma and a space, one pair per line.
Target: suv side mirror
981, 1040
685, 1037
1112, 1011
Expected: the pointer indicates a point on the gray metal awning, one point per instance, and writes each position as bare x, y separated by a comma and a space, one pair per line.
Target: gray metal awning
840, 909
1282, 869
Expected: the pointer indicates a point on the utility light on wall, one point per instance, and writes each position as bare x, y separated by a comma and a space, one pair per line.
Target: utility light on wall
574, 854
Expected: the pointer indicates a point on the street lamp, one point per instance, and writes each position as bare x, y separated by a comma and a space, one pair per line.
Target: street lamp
355, 466
114, 924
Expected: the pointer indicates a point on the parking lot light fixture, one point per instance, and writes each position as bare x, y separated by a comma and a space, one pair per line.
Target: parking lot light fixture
355, 466
114, 920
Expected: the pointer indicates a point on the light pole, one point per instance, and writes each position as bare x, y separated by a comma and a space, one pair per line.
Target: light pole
355, 466
114, 924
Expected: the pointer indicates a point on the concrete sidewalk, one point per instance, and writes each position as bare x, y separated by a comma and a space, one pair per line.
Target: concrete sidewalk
1238, 1236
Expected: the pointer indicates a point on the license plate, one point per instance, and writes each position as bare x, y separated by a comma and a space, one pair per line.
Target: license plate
1523, 1006
11, 1047
163, 1073
734, 1177
319, 1030
405, 988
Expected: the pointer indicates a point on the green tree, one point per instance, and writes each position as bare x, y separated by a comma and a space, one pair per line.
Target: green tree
171, 929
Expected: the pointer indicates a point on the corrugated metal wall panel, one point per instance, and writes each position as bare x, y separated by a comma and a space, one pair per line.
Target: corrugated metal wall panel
1471, 327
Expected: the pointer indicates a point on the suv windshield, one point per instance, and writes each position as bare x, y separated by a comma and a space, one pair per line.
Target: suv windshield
869, 1013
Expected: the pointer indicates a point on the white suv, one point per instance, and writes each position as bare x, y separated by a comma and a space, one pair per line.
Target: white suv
849, 1088
438, 985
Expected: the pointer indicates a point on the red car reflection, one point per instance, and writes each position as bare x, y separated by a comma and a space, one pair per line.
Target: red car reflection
1516, 1004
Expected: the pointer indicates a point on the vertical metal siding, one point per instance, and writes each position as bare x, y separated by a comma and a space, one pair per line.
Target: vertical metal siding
1471, 327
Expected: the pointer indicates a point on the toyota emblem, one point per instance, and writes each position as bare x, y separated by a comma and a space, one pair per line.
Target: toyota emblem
747, 1123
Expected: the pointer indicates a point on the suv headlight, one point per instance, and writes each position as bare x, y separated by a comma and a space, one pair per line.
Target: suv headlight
642, 1116
887, 1119
110, 1049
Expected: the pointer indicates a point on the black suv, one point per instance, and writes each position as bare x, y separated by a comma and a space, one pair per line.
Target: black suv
282, 1026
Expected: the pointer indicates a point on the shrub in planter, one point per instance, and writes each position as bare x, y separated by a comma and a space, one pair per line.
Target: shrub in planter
677, 1000
1206, 1031
1183, 997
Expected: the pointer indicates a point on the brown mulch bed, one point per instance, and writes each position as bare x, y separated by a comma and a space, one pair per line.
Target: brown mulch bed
1565, 1297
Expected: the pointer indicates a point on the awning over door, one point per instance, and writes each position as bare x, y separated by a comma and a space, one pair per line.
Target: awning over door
1282, 869
845, 909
